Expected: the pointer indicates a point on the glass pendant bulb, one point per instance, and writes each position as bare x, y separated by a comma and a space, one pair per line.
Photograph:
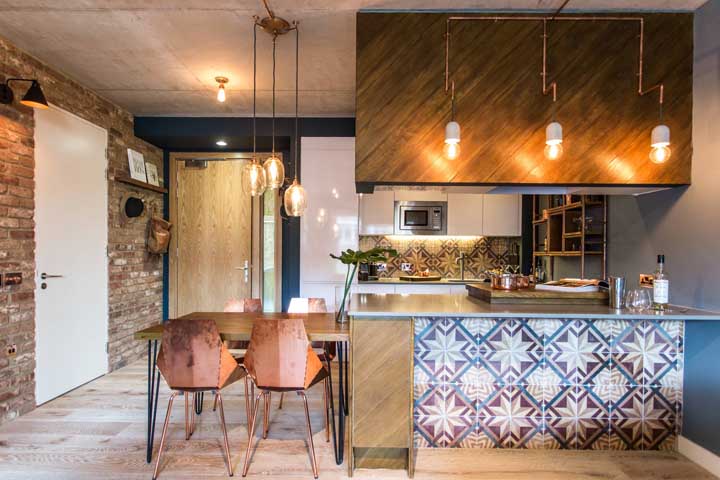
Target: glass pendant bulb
295, 200
274, 172
451, 148
553, 141
660, 144
254, 179
451, 151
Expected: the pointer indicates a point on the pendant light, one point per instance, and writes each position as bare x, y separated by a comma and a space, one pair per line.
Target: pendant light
295, 198
221, 88
254, 173
553, 132
274, 168
451, 148
660, 144
34, 97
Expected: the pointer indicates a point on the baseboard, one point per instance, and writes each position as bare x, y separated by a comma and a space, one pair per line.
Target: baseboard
703, 457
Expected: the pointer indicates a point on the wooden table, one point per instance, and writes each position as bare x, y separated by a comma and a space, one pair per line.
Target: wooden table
320, 327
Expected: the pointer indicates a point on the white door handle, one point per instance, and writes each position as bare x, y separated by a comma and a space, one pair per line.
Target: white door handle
247, 267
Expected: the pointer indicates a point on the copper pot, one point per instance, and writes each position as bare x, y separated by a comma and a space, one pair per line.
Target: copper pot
523, 281
504, 281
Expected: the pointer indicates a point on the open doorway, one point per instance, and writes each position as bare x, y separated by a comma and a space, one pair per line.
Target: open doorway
226, 244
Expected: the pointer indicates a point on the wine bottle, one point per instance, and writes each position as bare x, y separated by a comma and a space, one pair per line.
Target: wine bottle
661, 285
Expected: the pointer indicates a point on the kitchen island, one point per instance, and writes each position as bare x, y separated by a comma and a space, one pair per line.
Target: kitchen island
512, 376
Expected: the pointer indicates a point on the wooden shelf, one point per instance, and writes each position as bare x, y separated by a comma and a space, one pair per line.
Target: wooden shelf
122, 178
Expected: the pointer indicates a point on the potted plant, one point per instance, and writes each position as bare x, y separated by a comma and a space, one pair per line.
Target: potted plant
353, 258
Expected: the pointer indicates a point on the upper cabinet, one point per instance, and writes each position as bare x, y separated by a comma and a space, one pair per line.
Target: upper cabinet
502, 215
377, 212
465, 214
402, 103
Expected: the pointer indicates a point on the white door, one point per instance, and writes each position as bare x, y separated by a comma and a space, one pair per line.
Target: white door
71, 252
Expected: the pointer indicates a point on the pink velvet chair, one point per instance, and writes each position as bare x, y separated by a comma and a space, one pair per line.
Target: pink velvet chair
193, 359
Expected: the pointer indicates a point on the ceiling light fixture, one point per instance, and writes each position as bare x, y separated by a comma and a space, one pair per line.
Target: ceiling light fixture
553, 132
295, 198
254, 173
274, 168
221, 88
221, 143
34, 97
451, 149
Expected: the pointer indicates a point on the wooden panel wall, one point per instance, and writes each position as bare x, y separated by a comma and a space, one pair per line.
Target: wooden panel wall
402, 106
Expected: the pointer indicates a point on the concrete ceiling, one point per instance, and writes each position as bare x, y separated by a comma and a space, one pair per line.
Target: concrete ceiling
160, 57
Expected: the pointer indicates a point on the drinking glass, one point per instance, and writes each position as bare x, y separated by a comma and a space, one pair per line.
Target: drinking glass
638, 299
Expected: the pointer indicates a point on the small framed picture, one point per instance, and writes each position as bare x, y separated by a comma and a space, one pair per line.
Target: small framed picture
152, 174
136, 161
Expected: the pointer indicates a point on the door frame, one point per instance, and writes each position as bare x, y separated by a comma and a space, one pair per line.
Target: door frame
256, 240
103, 265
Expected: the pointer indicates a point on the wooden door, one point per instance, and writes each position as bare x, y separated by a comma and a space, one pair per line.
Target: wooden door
213, 255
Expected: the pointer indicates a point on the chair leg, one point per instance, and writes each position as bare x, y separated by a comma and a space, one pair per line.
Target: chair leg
310, 439
187, 416
192, 413
215, 403
218, 396
266, 415
248, 412
282, 396
164, 433
327, 411
252, 434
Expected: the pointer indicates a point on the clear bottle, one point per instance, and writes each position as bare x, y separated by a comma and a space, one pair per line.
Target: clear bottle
661, 286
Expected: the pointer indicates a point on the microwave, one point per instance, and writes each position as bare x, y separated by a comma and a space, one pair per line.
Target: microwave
420, 218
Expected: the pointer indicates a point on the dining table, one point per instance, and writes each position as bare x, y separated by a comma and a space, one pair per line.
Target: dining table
237, 326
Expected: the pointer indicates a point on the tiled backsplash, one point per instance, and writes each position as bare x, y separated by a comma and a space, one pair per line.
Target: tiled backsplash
439, 254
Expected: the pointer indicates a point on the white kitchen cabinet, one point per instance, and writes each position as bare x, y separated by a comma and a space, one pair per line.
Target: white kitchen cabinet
373, 288
465, 214
420, 196
458, 289
377, 212
330, 223
501, 215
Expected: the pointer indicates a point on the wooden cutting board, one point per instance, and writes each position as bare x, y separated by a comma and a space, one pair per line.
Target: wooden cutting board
484, 291
418, 278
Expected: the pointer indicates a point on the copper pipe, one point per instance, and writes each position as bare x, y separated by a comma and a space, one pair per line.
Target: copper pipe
557, 12
554, 18
164, 434
225, 436
553, 85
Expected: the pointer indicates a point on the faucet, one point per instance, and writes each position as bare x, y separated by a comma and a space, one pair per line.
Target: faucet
461, 261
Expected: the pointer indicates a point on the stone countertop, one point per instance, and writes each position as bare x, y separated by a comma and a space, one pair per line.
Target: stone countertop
397, 281
396, 305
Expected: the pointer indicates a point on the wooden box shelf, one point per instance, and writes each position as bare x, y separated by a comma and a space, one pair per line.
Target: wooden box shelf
123, 178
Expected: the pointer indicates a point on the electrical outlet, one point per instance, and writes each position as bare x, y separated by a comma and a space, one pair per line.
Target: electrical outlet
406, 267
12, 350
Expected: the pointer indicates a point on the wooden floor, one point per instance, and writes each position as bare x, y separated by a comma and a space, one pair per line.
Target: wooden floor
98, 432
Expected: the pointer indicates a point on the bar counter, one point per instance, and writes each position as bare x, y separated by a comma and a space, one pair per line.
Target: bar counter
484, 375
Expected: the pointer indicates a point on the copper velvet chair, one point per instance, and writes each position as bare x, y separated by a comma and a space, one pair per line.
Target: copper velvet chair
280, 359
193, 359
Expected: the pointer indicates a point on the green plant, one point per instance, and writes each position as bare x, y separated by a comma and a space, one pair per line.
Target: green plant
353, 258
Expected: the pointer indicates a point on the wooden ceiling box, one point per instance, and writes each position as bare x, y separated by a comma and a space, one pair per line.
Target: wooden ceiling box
402, 105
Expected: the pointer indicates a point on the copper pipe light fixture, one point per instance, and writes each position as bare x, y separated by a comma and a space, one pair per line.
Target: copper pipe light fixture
295, 198
451, 148
221, 88
34, 97
553, 132
274, 168
254, 173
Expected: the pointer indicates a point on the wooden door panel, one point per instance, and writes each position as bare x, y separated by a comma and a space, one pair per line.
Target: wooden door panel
214, 232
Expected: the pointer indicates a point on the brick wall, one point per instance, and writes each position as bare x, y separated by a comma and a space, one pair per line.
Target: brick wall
135, 283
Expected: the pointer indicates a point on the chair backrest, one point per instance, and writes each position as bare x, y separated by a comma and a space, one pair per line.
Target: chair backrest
192, 355
243, 305
307, 305
280, 355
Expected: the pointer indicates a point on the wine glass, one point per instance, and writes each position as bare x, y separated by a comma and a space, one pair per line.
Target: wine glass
638, 299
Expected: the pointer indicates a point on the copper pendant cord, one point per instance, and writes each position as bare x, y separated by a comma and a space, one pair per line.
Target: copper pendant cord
297, 76
254, 89
553, 86
274, 48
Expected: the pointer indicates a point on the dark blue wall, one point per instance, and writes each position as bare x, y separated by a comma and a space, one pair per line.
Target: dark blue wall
178, 134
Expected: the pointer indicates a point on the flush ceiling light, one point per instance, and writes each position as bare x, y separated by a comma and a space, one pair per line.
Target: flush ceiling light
221, 88
295, 198
221, 143
34, 97
451, 148
274, 168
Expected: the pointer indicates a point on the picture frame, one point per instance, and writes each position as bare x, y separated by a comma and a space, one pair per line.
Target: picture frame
152, 174
136, 162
